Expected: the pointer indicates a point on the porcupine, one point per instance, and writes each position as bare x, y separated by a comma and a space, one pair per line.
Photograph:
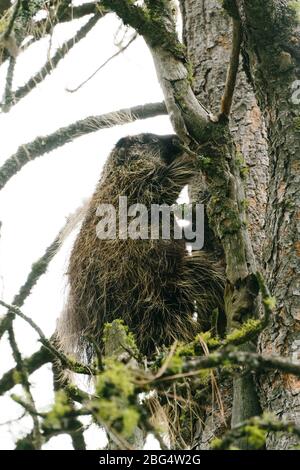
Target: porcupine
152, 285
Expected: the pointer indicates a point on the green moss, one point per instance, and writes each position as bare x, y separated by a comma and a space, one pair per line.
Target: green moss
193, 349
190, 70
116, 414
245, 204
297, 123
231, 222
131, 419
216, 443
206, 163
211, 341
270, 302
205, 377
118, 329
17, 378
242, 165
25, 443
115, 380
116, 406
176, 364
256, 436
4, 22
248, 329
61, 408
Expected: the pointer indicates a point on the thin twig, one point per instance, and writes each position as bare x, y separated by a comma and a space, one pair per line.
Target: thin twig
51, 64
120, 51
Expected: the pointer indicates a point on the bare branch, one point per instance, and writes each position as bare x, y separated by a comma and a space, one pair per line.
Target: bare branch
74, 12
54, 61
23, 376
232, 69
8, 84
37, 270
45, 144
120, 51
40, 266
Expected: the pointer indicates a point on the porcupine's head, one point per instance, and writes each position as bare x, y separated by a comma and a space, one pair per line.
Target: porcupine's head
132, 167
160, 147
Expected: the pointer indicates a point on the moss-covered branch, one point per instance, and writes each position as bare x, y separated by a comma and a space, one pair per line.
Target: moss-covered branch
255, 431
24, 382
32, 363
74, 366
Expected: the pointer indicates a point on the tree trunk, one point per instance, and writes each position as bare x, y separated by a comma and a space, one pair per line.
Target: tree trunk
272, 64
272, 43
207, 33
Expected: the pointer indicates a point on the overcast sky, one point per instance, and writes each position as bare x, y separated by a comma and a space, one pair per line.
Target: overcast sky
36, 202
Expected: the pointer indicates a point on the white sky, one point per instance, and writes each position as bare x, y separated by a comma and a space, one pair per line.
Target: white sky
36, 202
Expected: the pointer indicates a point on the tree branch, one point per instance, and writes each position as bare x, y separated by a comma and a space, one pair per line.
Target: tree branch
45, 144
120, 51
8, 84
52, 63
12, 19
75, 12
251, 361
189, 118
32, 363
265, 423
23, 376
232, 69
66, 362
37, 270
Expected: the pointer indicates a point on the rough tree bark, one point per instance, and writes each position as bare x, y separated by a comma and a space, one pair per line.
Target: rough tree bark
207, 33
272, 40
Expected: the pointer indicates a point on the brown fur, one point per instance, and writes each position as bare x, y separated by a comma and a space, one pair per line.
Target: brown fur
152, 285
